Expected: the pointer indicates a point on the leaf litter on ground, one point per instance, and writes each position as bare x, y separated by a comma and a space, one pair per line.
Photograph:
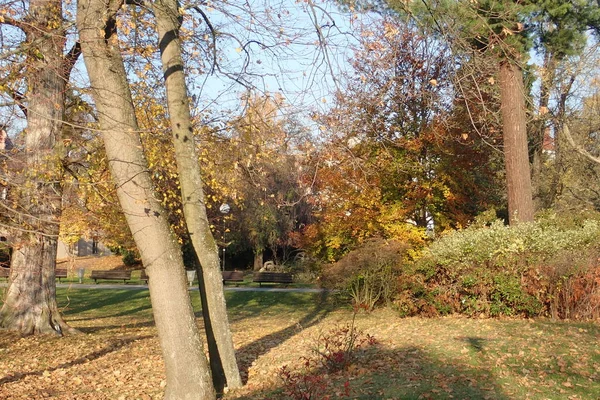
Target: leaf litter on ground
118, 355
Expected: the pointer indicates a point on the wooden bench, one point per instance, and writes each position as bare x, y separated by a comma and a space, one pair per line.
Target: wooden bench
115, 275
60, 273
143, 276
233, 276
273, 277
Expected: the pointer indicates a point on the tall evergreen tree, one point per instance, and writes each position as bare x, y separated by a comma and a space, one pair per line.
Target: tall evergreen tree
508, 29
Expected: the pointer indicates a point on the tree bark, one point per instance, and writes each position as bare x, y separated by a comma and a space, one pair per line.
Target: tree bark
516, 156
30, 304
188, 375
541, 128
258, 260
220, 342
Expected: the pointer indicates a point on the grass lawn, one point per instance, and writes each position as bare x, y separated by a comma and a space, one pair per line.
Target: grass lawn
118, 356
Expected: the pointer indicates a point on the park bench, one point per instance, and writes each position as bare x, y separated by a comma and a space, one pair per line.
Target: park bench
273, 277
233, 276
60, 273
144, 276
115, 275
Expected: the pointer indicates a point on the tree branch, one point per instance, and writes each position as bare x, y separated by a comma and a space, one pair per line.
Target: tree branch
213, 33
566, 131
19, 99
12, 22
323, 41
71, 58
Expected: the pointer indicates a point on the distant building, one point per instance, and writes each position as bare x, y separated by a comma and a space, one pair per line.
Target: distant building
83, 247
5, 142
548, 145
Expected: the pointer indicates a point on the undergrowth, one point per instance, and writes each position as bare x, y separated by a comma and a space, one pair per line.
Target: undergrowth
546, 268
334, 351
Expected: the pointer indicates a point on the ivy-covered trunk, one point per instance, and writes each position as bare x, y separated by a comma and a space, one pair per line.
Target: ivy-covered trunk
220, 342
30, 303
258, 259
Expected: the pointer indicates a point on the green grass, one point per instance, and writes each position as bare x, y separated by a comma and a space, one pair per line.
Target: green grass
91, 303
136, 303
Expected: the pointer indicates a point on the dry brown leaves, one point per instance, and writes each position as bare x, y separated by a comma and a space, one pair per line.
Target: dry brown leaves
114, 359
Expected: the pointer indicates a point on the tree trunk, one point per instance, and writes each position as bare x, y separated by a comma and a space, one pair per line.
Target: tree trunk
30, 304
559, 121
258, 260
220, 342
516, 156
188, 375
540, 131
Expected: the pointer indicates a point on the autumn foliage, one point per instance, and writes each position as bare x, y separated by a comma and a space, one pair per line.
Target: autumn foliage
395, 164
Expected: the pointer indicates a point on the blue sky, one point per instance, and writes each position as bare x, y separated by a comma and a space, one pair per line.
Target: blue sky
288, 60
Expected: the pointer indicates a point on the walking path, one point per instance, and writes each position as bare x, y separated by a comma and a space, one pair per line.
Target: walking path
191, 288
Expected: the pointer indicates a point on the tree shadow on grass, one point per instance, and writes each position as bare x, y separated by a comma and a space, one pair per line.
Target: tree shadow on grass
113, 345
407, 373
98, 329
75, 303
247, 304
252, 351
562, 365
96, 305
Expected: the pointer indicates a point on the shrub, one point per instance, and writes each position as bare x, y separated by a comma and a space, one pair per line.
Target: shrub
334, 352
545, 268
501, 245
369, 273
305, 268
304, 386
336, 349
572, 285
130, 258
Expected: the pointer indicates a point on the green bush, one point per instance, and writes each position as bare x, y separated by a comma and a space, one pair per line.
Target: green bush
306, 269
501, 245
130, 258
533, 269
5, 253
